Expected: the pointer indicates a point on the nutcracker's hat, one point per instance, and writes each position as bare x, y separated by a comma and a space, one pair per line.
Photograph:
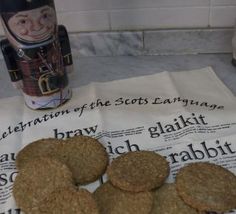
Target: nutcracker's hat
7, 6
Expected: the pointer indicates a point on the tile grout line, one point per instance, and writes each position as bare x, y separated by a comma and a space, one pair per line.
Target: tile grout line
109, 14
210, 13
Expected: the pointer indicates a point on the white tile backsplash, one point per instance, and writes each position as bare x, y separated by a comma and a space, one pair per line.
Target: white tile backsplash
81, 5
160, 18
84, 21
100, 15
132, 4
223, 16
146, 14
223, 2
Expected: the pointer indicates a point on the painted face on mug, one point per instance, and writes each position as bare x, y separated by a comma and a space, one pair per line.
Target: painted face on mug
33, 25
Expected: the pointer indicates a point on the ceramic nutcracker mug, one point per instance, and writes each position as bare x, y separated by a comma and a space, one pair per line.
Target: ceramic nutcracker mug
36, 51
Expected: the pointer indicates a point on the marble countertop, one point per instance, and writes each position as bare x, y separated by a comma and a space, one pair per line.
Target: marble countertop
103, 69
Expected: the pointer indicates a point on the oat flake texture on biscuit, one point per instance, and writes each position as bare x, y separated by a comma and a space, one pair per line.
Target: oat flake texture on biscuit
138, 171
85, 156
167, 201
207, 187
67, 201
40, 148
37, 179
112, 200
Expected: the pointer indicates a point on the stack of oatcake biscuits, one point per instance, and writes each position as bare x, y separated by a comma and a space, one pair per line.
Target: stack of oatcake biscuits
51, 172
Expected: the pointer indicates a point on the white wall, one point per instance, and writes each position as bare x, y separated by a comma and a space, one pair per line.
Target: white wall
100, 15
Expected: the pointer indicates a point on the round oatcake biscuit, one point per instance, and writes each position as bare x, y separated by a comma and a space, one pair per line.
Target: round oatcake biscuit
138, 171
85, 156
167, 201
112, 200
207, 187
37, 179
36, 149
68, 201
